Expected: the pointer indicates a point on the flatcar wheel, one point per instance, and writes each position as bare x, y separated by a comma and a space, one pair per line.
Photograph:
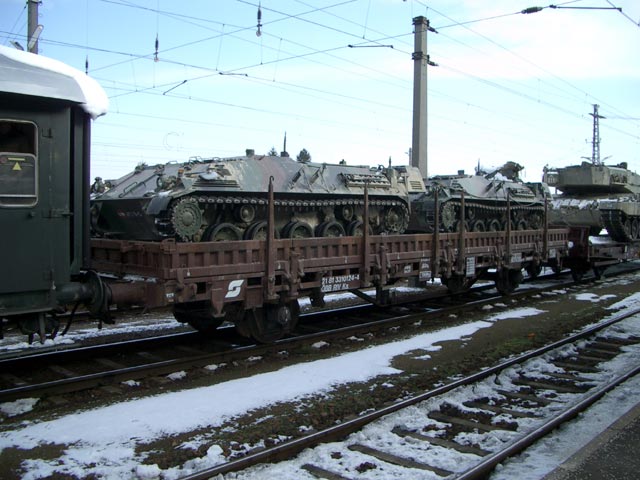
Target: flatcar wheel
577, 274
297, 230
598, 272
199, 315
455, 283
534, 270
507, 280
330, 228
45, 326
272, 322
221, 232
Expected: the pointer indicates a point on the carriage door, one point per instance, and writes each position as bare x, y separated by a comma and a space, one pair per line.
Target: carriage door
34, 205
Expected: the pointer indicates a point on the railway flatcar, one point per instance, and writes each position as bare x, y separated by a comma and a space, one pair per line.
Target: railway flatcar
46, 109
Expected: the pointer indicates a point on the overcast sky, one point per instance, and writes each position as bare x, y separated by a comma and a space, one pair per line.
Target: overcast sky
508, 86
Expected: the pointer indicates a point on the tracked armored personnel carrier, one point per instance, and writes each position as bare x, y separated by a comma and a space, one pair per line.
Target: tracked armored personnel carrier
486, 195
596, 195
226, 199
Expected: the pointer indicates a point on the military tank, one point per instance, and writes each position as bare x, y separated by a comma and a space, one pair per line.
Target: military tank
226, 199
596, 195
486, 196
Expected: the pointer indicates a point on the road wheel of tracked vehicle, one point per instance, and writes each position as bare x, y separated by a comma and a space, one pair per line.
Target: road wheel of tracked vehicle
199, 315
395, 219
186, 218
258, 231
494, 225
272, 322
457, 226
356, 229
245, 213
221, 232
345, 212
330, 228
535, 222
297, 230
478, 226
635, 229
448, 217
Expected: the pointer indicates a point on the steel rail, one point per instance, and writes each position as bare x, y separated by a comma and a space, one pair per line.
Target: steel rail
334, 433
487, 465
105, 377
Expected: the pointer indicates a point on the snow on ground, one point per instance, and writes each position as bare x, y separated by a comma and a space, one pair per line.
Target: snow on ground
532, 465
103, 441
108, 451
592, 297
78, 334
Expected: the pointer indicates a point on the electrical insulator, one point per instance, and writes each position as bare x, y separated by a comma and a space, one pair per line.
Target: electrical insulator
259, 32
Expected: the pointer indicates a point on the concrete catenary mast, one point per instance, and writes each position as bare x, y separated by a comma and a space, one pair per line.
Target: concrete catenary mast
420, 62
33, 27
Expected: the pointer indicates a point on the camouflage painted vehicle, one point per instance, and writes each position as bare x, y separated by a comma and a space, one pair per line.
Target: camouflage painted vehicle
486, 195
226, 199
597, 196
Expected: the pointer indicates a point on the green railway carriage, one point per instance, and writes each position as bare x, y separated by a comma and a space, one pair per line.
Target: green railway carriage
46, 109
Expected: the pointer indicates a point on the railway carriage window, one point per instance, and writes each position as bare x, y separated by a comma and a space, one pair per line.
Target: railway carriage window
18, 164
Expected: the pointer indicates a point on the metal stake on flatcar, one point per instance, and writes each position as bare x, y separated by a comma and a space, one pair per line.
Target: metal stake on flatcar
271, 249
435, 268
461, 230
365, 237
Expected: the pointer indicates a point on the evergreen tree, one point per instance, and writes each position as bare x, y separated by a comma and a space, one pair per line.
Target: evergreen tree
304, 156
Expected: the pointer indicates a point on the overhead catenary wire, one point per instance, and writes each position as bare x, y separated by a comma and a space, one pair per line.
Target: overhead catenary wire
282, 56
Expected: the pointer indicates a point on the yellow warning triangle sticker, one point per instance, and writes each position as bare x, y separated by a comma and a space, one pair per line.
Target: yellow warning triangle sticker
16, 167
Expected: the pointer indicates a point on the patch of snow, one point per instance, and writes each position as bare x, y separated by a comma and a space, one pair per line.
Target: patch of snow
515, 313
18, 407
177, 375
592, 297
96, 101
214, 367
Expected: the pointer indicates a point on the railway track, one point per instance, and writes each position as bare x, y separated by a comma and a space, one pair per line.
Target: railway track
54, 373
465, 428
